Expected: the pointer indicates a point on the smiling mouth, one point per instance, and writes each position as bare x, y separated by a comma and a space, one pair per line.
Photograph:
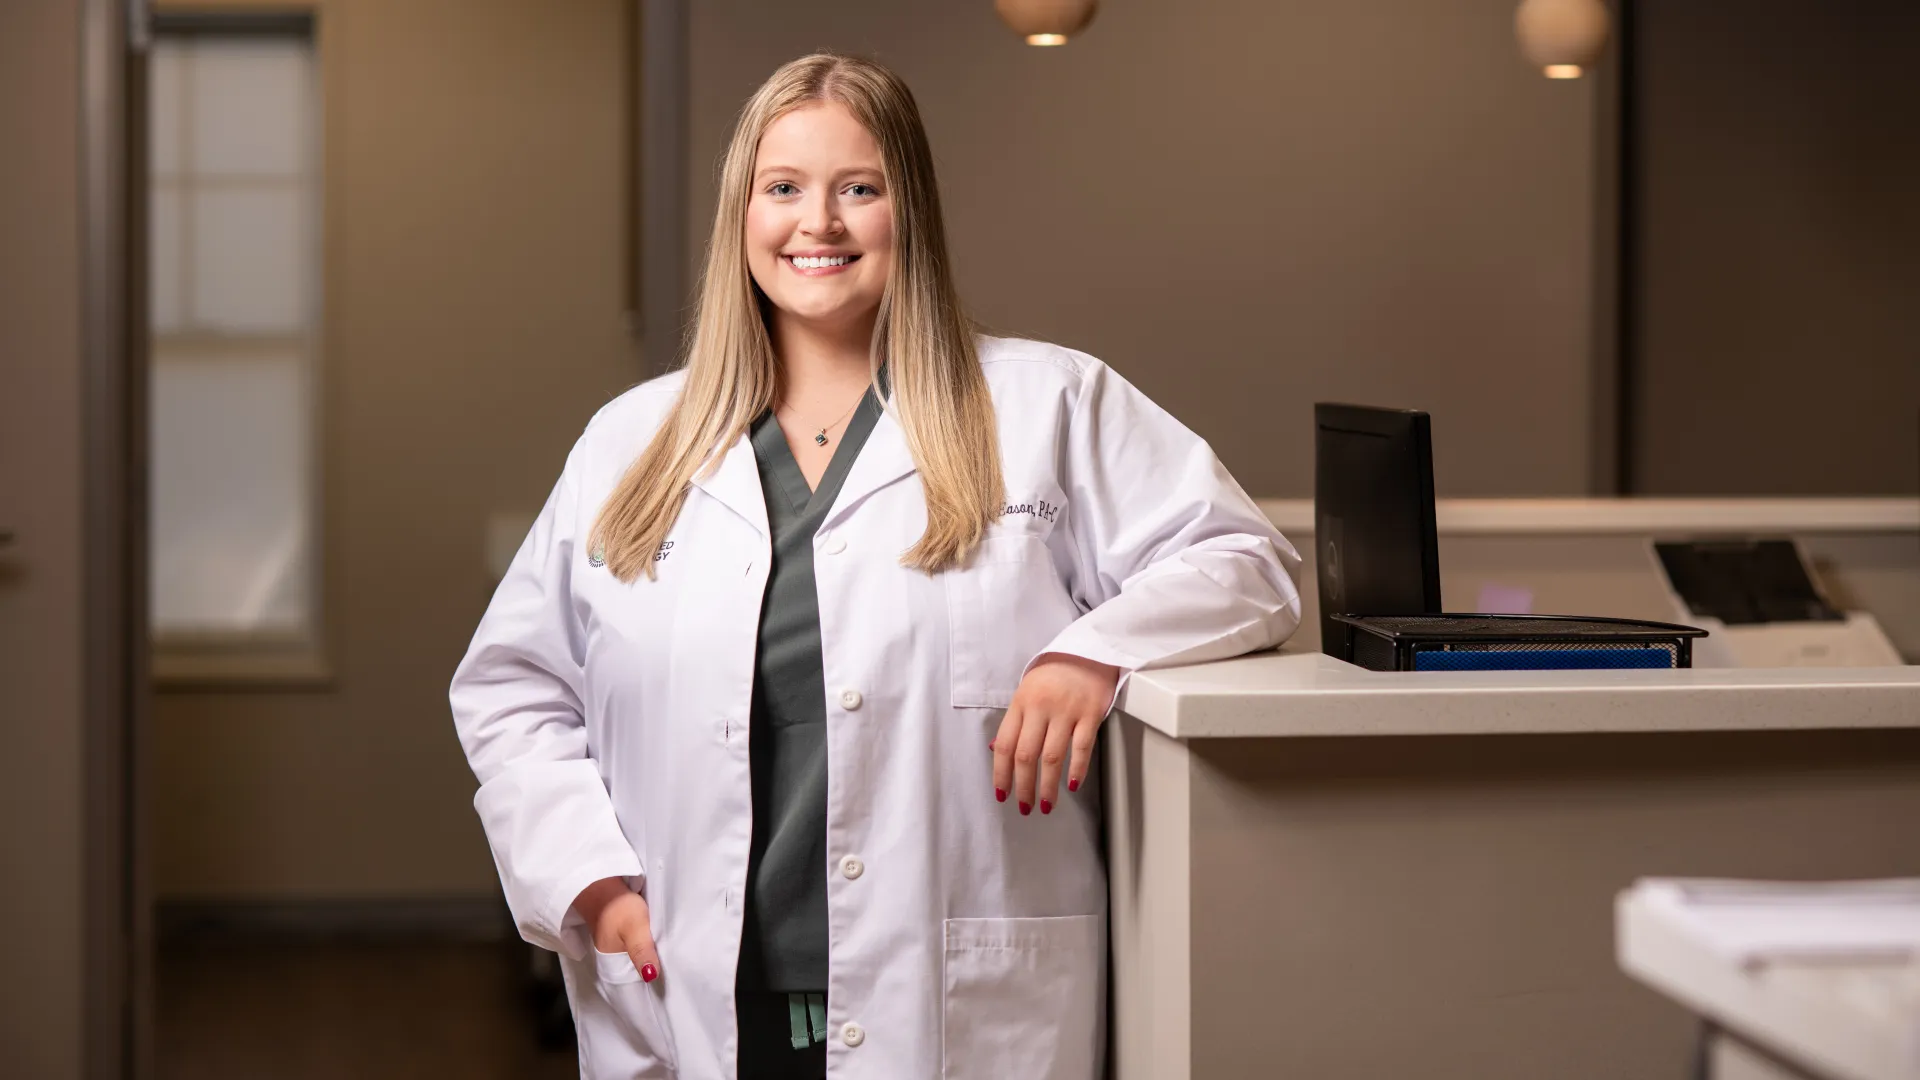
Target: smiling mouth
819, 262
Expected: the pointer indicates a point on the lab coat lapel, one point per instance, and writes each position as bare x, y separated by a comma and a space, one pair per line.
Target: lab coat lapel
884, 459
736, 483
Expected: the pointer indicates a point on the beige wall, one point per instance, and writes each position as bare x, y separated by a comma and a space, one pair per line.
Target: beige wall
1779, 248
40, 576
1249, 205
474, 203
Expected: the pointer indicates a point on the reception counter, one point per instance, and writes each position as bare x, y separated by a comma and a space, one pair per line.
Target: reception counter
1324, 872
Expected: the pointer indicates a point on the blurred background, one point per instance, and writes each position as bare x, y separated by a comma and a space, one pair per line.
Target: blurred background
302, 304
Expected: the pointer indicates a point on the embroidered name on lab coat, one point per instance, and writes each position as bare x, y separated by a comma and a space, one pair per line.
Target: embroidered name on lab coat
1039, 509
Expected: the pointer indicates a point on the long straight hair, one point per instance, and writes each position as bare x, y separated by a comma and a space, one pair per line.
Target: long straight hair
939, 394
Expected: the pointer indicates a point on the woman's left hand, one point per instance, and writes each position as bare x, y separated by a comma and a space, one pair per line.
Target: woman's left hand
1054, 718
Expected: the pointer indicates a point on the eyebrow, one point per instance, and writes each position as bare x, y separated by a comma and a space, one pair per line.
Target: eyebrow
769, 171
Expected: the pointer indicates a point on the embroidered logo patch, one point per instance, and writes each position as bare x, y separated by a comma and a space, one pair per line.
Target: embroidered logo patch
598, 556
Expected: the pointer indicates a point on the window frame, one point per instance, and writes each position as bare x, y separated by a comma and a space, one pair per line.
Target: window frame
280, 658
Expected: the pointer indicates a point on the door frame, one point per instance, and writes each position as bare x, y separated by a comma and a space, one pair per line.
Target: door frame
116, 920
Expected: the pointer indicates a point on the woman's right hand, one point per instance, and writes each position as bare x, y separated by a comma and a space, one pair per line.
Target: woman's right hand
617, 916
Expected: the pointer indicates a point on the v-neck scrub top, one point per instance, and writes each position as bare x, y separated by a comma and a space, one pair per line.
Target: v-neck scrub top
784, 938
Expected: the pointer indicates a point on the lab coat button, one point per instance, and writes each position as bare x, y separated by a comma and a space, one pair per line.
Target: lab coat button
853, 1035
850, 699
852, 867
833, 545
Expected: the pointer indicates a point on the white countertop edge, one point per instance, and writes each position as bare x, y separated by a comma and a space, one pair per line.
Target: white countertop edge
1294, 694
1614, 516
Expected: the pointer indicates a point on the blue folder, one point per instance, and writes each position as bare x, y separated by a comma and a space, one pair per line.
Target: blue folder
1541, 659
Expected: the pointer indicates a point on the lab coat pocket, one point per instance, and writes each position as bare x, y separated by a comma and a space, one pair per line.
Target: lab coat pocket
1003, 608
621, 1024
1023, 997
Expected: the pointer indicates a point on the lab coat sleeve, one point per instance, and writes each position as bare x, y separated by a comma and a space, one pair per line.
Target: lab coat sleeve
517, 706
1174, 564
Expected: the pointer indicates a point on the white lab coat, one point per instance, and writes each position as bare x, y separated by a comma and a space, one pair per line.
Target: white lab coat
607, 724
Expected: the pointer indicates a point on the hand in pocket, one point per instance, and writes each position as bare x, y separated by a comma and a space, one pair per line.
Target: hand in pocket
621, 923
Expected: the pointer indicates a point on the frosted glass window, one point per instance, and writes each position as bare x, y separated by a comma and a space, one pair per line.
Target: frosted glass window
234, 277
164, 255
231, 457
249, 260
232, 122
249, 105
166, 91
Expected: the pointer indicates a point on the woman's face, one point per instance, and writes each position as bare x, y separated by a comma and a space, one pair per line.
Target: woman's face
819, 230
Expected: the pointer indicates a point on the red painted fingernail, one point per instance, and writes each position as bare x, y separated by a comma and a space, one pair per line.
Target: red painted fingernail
1046, 807
1073, 785
990, 743
1000, 794
1026, 808
648, 973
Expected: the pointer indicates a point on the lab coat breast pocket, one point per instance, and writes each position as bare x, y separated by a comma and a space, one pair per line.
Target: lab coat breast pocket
620, 1022
1003, 608
1023, 997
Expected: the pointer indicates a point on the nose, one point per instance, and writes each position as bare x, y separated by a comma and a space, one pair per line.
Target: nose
820, 217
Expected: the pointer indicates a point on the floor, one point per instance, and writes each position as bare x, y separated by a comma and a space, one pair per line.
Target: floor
241, 1011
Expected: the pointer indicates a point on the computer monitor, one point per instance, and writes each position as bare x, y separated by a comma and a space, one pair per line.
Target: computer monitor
1377, 550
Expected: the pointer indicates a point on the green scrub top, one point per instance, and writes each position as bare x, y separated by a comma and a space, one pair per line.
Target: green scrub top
784, 940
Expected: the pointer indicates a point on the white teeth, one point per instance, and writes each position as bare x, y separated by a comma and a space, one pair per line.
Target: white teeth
816, 262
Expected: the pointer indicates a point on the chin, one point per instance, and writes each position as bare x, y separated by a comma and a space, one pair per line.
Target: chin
824, 314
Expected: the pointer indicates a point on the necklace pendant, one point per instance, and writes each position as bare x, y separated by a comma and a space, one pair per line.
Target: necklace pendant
820, 439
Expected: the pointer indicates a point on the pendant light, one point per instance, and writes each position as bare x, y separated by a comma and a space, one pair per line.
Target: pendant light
1046, 22
1561, 37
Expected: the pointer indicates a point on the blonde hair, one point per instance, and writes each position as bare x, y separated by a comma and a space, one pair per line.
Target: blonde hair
939, 394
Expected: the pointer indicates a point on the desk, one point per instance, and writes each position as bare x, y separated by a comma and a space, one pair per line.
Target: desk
1831, 1021
1323, 872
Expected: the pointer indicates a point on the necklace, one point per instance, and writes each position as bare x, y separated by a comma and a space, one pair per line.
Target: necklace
820, 435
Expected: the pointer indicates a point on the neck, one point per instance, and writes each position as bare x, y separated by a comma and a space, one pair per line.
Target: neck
821, 364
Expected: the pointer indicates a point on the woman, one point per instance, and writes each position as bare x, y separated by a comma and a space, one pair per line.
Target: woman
808, 630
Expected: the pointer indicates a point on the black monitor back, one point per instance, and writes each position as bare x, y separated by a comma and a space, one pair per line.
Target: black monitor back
1376, 546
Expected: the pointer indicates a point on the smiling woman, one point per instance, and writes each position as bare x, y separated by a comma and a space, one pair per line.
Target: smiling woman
745, 790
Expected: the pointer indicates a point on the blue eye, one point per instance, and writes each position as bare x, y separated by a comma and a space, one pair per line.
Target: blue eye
864, 191
783, 189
